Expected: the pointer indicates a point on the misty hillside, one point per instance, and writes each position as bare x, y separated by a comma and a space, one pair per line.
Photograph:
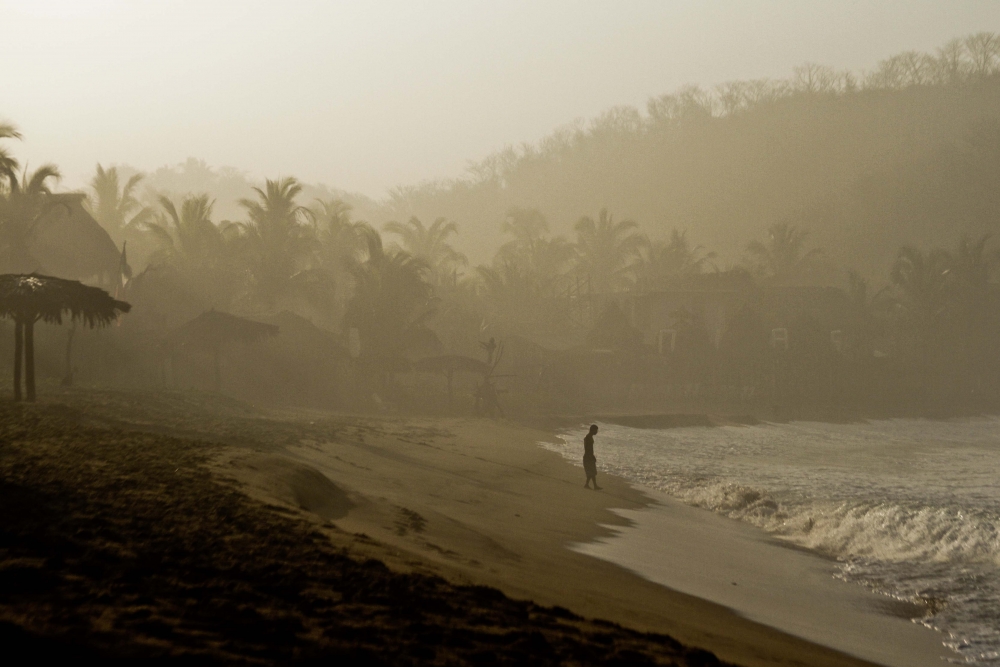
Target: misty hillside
907, 154
865, 170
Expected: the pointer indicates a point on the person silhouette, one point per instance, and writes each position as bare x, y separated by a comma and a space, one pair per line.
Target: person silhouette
589, 460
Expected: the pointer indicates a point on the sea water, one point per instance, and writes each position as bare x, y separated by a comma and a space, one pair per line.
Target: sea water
909, 508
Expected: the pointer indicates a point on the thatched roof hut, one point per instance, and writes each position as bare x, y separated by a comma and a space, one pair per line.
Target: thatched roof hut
212, 330
68, 242
449, 364
29, 298
33, 297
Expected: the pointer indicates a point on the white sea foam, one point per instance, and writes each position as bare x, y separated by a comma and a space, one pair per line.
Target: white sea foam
911, 508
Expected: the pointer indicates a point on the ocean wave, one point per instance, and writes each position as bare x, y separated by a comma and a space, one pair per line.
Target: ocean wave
864, 529
909, 508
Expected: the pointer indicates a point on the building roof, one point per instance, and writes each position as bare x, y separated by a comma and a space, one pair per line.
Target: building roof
69, 243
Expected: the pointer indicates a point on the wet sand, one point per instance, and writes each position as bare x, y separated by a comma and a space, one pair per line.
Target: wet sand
739, 566
188, 525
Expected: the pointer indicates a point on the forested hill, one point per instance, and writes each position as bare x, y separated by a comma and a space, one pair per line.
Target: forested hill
909, 154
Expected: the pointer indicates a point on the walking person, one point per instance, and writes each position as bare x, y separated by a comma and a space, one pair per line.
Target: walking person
589, 460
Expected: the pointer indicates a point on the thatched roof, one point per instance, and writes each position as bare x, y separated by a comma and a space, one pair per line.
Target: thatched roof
70, 243
451, 363
34, 296
213, 328
307, 338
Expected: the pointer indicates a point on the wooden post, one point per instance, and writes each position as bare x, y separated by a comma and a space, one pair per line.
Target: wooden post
18, 357
68, 380
29, 360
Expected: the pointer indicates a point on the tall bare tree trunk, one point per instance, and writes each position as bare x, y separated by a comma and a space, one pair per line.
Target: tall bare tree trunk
18, 357
29, 360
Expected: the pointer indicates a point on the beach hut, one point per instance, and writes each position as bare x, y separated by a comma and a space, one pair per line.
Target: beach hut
32, 297
449, 364
212, 330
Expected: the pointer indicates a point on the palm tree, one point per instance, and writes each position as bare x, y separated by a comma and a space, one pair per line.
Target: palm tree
391, 303
510, 293
25, 203
116, 207
276, 242
782, 252
188, 235
537, 255
29, 298
342, 240
665, 262
968, 297
8, 164
429, 244
526, 272
867, 313
608, 251
342, 244
920, 281
200, 253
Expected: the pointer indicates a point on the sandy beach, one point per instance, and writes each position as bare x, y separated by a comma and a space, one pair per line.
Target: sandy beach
177, 524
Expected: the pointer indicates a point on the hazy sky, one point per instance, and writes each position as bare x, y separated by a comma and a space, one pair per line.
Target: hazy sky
367, 95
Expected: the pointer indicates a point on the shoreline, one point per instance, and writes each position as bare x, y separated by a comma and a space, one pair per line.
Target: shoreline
460, 545
780, 585
709, 419
472, 502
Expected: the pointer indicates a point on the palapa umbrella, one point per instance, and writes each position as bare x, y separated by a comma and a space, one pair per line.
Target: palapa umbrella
213, 329
449, 364
29, 298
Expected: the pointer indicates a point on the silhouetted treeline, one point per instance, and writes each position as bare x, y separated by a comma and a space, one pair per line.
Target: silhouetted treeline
868, 161
706, 263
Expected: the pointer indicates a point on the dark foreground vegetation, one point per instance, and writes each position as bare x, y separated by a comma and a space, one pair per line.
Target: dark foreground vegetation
120, 544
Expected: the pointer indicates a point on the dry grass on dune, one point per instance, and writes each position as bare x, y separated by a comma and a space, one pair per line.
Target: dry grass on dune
119, 542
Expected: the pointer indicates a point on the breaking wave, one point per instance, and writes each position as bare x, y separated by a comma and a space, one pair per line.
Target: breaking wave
910, 508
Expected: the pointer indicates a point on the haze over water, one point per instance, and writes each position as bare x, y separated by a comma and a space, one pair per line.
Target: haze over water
909, 508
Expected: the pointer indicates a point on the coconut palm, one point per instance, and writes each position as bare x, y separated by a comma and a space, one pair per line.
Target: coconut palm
540, 257
201, 254
429, 244
116, 206
666, 262
8, 164
968, 301
25, 203
920, 281
29, 298
188, 235
783, 251
608, 251
342, 240
867, 314
277, 244
391, 303
341, 245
